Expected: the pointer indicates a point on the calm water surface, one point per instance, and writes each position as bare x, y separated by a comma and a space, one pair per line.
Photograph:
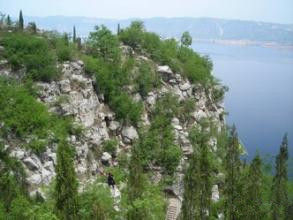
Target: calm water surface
260, 97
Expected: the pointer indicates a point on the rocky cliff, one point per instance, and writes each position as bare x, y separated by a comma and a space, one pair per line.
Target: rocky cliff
74, 95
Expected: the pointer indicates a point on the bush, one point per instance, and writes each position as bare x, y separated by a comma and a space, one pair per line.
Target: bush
111, 80
32, 53
110, 146
133, 35
96, 203
146, 79
125, 108
102, 43
21, 114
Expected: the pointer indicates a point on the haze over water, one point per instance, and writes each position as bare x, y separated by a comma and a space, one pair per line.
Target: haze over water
260, 97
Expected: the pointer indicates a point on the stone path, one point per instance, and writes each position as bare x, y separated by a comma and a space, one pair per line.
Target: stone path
173, 209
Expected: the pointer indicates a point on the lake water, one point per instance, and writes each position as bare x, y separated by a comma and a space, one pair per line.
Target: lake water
260, 97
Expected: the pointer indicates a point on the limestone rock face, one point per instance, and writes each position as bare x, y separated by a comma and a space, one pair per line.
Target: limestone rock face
74, 95
215, 193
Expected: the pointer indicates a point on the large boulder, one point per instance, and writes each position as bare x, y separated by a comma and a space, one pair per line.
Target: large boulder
164, 69
106, 158
129, 134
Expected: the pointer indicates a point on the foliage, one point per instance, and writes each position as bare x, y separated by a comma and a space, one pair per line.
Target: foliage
157, 143
32, 27
133, 35
110, 146
66, 183
111, 80
102, 43
20, 21
198, 178
32, 53
233, 190
12, 179
186, 39
279, 188
144, 201
253, 190
168, 52
146, 79
64, 50
96, 203
21, 114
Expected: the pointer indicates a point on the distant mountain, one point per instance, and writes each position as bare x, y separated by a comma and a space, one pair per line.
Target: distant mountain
211, 29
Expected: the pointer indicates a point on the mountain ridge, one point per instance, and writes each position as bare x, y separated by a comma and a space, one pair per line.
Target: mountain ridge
208, 29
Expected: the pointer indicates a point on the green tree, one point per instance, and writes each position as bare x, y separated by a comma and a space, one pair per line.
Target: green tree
133, 35
118, 29
74, 35
8, 21
136, 184
253, 190
66, 183
232, 190
78, 40
32, 27
66, 39
102, 43
186, 39
20, 21
198, 178
279, 187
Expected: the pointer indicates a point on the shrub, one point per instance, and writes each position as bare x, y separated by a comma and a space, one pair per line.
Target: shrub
32, 53
146, 79
126, 109
21, 113
102, 43
110, 146
133, 35
96, 203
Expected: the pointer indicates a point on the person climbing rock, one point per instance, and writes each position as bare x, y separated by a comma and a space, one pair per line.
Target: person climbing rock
111, 181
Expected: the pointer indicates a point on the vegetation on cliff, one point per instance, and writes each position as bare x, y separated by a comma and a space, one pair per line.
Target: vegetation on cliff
123, 64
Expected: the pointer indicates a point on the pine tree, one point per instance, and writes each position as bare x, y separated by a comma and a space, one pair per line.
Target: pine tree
74, 35
253, 190
233, 186
66, 183
20, 21
279, 187
198, 178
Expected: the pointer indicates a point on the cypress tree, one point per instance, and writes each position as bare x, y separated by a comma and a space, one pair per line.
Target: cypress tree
135, 184
78, 40
74, 35
279, 187
8, 21
66, 39
66, 183
190, 204
198, 178
118, 29
233, 189
253, 198
20, 21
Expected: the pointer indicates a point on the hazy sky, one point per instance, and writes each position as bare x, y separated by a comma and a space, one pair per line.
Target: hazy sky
280, 11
